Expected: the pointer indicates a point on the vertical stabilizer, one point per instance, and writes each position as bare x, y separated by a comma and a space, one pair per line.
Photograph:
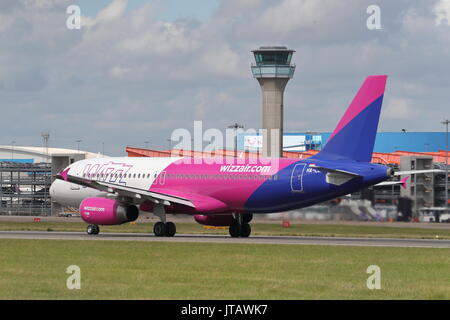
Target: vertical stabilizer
354, 136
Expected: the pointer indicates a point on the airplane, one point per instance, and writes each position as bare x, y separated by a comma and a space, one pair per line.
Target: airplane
229, 191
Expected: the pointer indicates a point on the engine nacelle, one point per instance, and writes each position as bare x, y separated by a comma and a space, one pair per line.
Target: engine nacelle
105, 211
216, 220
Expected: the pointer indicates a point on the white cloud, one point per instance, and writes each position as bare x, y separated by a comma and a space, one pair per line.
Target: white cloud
112, 12
442, 12
398, 109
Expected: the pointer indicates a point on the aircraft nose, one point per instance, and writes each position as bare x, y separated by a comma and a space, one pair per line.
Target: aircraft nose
52, 189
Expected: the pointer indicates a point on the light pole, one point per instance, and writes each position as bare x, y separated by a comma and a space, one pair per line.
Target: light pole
446, 122
146, 144
45, 136
235, 127
78, 145
12, 150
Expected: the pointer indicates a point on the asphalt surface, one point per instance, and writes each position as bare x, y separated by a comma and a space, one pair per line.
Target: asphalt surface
256, 219
330, 241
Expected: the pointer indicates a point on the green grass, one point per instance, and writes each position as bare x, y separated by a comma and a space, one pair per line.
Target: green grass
35, 269
331, 230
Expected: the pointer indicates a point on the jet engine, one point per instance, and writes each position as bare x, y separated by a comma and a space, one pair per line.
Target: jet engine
103, 211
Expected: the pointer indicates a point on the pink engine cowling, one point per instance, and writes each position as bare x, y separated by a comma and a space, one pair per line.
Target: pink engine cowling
104, 211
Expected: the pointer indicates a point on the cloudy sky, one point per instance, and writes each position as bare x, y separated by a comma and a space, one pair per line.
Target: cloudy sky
138, 69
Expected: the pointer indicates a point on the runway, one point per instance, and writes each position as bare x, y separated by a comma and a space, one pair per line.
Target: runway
287, 240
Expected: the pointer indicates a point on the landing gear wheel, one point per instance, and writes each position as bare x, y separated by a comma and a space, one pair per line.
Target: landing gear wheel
171, 229
245, 230
159, 229
242, 231
92, 229
234, 230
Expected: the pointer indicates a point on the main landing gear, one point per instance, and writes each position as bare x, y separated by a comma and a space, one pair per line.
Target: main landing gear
163, 228
240, 226
93, 229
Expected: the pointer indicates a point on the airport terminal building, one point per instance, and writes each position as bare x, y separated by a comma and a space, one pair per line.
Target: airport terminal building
26, 174
386, 142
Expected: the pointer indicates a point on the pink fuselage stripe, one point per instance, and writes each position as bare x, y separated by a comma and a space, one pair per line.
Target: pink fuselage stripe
372, 89
231, 191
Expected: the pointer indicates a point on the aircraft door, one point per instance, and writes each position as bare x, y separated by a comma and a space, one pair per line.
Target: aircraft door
297, 177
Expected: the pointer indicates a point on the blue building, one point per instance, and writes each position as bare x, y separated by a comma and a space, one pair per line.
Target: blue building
385, 141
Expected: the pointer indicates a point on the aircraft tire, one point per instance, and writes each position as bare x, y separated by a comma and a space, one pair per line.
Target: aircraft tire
171, 229
245, 230
234, 230
92, 229
159, 229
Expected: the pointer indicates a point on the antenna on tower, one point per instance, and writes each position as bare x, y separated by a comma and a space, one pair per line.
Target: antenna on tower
45, 137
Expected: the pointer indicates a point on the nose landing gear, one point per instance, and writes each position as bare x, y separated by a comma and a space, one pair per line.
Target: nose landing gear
92, 229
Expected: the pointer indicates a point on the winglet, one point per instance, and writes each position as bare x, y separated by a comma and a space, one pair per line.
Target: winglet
403, 181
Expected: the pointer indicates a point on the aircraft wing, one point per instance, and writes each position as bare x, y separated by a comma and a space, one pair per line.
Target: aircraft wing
135, 193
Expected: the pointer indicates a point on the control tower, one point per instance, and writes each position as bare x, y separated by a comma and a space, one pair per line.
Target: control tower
273, 70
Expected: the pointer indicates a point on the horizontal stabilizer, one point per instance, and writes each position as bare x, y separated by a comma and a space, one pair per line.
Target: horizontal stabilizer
390, 183
400, 173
